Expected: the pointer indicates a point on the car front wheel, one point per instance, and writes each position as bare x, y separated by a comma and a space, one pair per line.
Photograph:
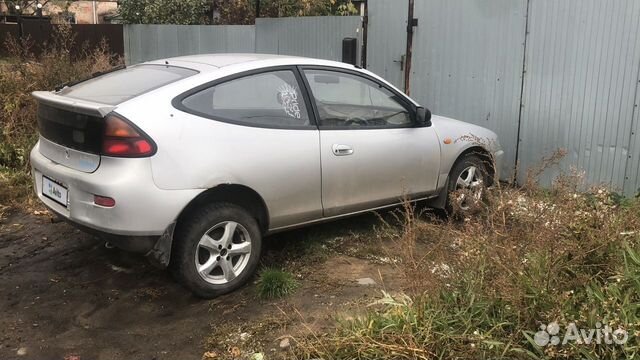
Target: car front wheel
468, 180
216, 250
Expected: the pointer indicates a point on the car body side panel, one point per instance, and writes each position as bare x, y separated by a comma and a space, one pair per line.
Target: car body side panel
194, 154
281, 165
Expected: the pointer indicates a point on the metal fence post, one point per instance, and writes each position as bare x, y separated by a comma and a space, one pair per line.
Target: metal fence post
411, 23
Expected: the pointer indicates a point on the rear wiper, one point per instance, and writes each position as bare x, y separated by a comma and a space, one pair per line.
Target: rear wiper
94, 75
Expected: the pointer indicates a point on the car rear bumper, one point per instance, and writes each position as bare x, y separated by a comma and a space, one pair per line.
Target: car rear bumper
141, 208
133, 243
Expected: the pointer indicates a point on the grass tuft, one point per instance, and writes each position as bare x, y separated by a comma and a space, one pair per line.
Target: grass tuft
276, 283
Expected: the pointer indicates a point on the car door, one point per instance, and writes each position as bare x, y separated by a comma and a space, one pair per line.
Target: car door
371, 152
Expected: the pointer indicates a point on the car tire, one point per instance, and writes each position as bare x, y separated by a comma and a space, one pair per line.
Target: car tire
216, 249
466, 186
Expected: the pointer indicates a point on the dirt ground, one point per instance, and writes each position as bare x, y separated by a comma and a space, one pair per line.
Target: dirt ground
64, 295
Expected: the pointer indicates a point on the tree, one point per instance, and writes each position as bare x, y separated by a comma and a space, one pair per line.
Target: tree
27, 7
182, 12
225, 11
243, 11
237, 12
282, 8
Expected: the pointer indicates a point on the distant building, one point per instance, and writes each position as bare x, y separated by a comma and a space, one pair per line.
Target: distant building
77, 12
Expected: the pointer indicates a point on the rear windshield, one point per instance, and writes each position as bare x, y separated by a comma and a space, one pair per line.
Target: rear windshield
122, 85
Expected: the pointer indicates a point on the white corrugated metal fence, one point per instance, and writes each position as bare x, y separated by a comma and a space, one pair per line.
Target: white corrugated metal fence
542, 74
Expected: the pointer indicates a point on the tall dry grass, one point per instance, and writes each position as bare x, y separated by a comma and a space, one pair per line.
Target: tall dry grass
23, 73
481, 287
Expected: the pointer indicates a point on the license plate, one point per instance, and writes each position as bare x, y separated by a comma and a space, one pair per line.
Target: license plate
54, 191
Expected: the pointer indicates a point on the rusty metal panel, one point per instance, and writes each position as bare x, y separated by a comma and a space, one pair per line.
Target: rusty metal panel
467, 64
310, 36
580, 83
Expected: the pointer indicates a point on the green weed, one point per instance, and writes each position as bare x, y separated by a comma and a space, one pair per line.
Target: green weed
275, 283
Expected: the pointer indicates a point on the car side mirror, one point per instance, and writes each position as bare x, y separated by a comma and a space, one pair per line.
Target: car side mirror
423, 117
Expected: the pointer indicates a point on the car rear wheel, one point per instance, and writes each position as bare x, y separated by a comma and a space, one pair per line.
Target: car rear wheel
468, 180
216, 250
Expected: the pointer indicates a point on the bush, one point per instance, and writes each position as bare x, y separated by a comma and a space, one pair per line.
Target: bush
275, 283
481, 288
22, 74
182, 12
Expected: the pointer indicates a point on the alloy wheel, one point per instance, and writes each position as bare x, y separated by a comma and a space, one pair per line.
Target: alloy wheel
470, 185
223, 252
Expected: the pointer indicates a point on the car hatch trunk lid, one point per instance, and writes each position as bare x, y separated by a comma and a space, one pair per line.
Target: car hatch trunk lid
71, 130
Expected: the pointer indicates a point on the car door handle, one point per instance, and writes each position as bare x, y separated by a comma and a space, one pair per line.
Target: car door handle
341, 150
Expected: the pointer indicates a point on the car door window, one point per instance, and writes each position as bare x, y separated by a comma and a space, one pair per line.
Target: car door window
270, 99
347, 100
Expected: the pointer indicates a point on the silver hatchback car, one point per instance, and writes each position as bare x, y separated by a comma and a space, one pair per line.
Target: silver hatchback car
192, 160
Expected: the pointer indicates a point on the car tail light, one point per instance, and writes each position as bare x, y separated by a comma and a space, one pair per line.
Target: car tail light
123, 139
104, 201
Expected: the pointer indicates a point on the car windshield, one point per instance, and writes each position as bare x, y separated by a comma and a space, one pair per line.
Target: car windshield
119, 86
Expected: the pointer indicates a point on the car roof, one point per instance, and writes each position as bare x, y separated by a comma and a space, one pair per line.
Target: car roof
211, 62
215, 66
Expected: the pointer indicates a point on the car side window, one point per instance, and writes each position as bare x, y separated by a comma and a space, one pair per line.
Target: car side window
265, 99
347, 100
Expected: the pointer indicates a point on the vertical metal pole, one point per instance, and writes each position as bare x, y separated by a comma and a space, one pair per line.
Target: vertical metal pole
257, 9
365, 25
407, 68
524, 73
